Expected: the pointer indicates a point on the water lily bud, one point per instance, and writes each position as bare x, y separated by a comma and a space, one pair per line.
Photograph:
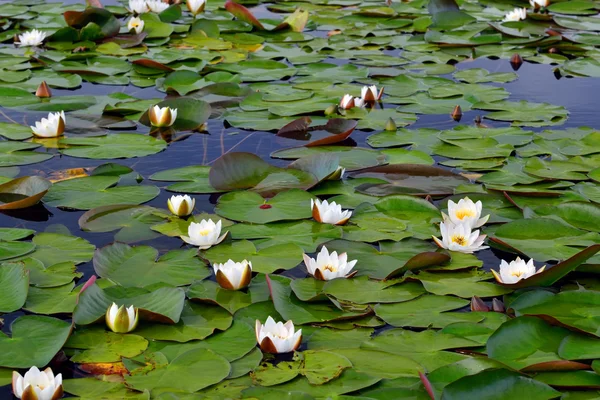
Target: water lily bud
182, 206
456, 113
31, 38
196, 6
329, 266
478, 305
37, 385
204, 234
498, 306
515, 271
336, 175
516, 61
329, 213
43, 90
53, 126
347, 102
121, 319
390, 125
233, 275
459, 238
277, 338
331, 109
162, 117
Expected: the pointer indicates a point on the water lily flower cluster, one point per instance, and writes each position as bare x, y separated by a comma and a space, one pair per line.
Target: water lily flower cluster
53, 126
276, 338
31, 38
349, 102
37, 385
233, 275
516, 270
369, 95
204, 234
518, 14
329, 213
457, 227
182, 206
121, 319
195, 6
329, 266
162, 117
135, 24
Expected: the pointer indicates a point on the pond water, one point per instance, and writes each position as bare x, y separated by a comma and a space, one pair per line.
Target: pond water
435, 320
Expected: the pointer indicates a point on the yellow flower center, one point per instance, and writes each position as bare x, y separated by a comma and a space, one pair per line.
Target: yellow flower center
205, 232
517, 273
459, 239
464, 212
135, 24
330, 267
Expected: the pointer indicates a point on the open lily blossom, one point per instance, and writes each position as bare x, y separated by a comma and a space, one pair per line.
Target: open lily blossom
329, 213
161, 117
50, 127
31, 38
157, 6
138, 6
37, 385
465, 212
182, 206
518, 14
460, 238
277, 337
233, 275
121, 319
329, 266
196, 6
370, 94
135, 24
204, 234
516, 270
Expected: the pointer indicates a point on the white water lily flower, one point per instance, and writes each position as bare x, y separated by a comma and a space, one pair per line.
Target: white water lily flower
329, 266
329, 213
157, 6
465, 212
121, 319
31, 38
136, 24
515, 271
518, 14
196, 6
460, 238
138, 6
370, 94
37, 385
53, 126
182, 206
233, 275
204, 234
536, 4
359, 102
162, 117
277, 337
347, 102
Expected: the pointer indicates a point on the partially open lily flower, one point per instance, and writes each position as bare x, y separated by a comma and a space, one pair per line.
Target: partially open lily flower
515, 271
329, 266
233, 275
277, 337
37, 385
204, 234
329, 213
518, 14
161, 117
31, 38
370, 94
138, 6
135, 24
465, 212
347, 102
157, 6
460, 238
196, 6
121, 319
536, 4
359, 102
182, 206
50, 127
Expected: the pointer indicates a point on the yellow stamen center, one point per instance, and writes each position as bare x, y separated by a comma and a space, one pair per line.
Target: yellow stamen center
329, 267
459, 239
135, 24
517, 273
204, 232
464, 212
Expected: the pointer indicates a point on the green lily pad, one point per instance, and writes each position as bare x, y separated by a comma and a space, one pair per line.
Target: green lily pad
117, 145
